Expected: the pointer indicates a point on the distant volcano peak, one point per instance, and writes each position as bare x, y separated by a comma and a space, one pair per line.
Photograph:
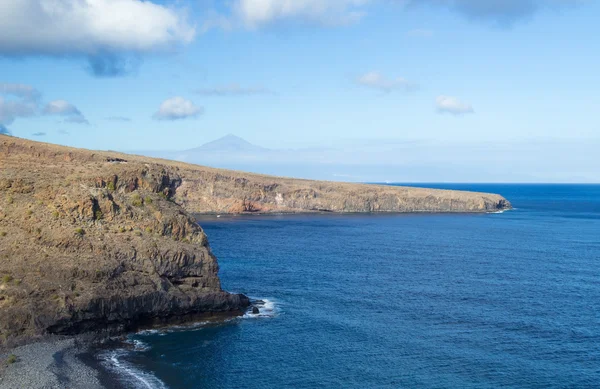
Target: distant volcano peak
229, 143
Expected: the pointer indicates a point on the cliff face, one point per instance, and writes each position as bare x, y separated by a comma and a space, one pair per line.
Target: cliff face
210, 191
89, 242
92, 240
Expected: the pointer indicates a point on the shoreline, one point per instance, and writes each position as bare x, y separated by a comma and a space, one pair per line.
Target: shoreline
56, 362
106, 378
227, 216
71, 361
60, 362
344, 213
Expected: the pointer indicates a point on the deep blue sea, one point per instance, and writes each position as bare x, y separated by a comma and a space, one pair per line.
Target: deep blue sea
398, 301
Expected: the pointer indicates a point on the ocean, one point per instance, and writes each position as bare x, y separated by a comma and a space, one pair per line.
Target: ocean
397, 301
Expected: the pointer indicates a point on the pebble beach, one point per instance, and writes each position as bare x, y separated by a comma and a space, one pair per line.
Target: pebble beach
53, 363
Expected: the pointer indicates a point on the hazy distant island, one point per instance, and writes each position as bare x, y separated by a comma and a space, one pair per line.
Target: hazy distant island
393, 160
95, 240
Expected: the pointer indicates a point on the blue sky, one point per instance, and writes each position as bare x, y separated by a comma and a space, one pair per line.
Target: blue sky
302, 73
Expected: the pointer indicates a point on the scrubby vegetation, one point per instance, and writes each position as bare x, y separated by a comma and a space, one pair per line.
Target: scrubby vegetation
136, 200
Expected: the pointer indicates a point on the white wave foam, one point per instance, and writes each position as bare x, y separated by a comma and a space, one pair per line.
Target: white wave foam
266, 308
131, 376
148, 332
138, 345
502, 211
177, 328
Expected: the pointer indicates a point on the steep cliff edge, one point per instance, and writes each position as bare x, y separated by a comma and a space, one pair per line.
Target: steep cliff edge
205, 190
92, 240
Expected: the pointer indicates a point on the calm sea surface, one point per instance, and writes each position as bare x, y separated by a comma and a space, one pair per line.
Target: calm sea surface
398, 301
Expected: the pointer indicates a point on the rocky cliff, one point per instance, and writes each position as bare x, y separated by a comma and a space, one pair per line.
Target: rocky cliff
91, 242
94, 240
205, 190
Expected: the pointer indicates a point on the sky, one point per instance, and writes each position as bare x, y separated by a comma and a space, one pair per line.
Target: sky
508, 84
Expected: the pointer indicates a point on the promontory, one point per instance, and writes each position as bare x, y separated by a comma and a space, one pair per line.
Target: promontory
95, 240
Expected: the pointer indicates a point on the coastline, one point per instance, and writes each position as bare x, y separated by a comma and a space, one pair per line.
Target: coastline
56, 362
72, 361
106, 378
80, 361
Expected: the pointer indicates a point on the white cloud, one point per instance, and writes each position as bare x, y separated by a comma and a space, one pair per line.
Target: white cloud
177, 108
376, 80
449, 104
61, 107
232, 90
90, 28
255, 13
4, 130
64, 108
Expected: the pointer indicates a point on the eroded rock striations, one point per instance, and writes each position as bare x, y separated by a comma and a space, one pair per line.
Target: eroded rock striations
100, 240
